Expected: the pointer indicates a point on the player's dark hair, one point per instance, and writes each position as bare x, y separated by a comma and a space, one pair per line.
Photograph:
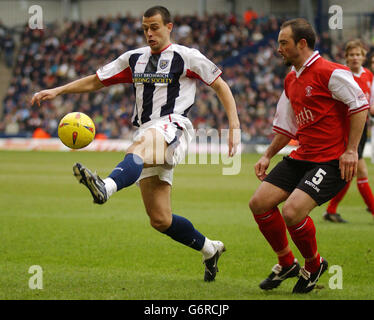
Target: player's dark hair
165, 14
301, 29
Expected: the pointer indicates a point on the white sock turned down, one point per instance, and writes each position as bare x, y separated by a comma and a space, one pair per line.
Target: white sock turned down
110, 186
208, 249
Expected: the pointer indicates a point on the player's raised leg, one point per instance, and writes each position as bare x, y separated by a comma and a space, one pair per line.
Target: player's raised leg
123, 175
295, 212
156, 196
148, 149
263, 205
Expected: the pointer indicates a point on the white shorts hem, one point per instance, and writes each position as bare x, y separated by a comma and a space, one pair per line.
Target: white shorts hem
164, 173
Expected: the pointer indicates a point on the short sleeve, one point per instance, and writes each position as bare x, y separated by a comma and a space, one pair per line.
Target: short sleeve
344, 88
201, 67
117, 71
285, 120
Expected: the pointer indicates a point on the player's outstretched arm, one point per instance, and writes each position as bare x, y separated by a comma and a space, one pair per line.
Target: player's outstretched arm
224, 94
278, 143
86, 84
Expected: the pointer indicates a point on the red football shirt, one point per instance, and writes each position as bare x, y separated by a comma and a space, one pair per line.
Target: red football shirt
315, 107
365, 80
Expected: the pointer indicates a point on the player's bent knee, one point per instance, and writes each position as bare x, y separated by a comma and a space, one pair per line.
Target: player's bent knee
257, 205
252, 204
362, 173
160, 224
290, 214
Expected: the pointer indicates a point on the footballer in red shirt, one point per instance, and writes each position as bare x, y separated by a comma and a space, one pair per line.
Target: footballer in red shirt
355, 54
325, 110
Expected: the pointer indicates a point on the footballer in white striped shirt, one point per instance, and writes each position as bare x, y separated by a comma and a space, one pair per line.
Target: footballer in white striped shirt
164, 77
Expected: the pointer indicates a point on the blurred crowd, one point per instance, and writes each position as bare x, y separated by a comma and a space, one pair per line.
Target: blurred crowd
243, 47
7, 45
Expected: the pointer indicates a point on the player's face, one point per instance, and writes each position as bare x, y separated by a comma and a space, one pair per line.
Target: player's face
372, 63
156, 32
287, 47
355, 59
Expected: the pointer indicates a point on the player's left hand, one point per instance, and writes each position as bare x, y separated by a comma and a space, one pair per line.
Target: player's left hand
48, 94
234, 141
348, 165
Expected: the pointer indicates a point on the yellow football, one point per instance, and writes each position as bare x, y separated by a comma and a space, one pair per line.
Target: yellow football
76, 130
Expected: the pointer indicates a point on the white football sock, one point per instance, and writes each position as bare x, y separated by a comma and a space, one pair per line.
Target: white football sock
110, 186
208, 249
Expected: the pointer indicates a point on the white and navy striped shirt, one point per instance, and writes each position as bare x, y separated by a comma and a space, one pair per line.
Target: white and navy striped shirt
164, 83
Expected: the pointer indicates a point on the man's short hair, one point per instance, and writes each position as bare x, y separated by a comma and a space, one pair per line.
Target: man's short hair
301, 29
353, 44
165, 14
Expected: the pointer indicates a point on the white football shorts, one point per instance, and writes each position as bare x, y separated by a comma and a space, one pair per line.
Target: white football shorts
178, 132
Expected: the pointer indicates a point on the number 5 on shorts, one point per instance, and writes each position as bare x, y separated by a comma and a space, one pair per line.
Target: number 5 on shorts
318, 177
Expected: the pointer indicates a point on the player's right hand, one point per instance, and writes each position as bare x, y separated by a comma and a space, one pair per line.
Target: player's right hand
44, 95
348, 163
261, 167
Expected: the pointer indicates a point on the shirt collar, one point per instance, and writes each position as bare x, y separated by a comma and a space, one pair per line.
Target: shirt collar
313, 58
162, 50
362, 70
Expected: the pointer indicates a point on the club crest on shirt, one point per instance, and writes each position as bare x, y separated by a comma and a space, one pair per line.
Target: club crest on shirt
164, 64
308, 91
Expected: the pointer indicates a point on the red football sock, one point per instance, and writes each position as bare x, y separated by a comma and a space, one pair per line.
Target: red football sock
334, 202
365, 190
287, 259
313, 264
272, 226
303, 235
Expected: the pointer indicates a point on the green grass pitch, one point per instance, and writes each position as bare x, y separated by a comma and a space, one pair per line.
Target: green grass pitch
88, 251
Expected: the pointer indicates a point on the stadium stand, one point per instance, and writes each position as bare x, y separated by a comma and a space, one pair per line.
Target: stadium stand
244, 50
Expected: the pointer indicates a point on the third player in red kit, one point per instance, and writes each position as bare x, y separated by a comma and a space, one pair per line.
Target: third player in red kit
355, 56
